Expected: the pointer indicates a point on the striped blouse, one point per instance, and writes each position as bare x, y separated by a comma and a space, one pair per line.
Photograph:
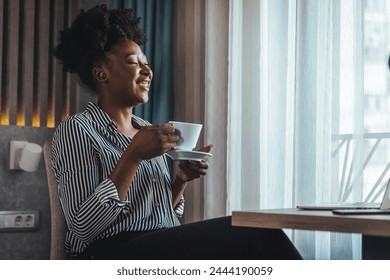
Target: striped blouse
86, 148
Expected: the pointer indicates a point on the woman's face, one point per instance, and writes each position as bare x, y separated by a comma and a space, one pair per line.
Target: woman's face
129, 76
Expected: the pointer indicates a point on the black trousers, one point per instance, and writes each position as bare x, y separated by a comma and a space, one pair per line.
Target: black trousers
214, 239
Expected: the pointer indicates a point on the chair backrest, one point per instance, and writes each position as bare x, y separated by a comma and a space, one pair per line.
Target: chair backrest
58, 223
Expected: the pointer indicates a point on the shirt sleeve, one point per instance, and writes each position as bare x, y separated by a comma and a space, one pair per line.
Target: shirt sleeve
179, 209
90, 203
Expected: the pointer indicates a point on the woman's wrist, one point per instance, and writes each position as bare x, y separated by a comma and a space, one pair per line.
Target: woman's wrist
179, 184
132, 157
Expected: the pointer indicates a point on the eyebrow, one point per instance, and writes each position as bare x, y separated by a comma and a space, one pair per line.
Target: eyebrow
132, 53
141, 54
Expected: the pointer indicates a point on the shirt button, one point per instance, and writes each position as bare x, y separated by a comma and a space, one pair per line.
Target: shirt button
157, 204
159, 226
154, 180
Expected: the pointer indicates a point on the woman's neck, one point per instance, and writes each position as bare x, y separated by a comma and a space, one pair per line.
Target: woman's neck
122, 116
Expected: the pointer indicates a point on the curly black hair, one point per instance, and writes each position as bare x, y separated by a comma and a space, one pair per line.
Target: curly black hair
84, 44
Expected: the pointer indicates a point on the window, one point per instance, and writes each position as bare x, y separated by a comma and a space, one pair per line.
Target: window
376, 86
307, 78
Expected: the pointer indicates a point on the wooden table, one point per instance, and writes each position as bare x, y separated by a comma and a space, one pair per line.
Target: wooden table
374, 228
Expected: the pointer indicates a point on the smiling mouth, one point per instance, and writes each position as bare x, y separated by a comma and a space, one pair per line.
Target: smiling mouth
144, 84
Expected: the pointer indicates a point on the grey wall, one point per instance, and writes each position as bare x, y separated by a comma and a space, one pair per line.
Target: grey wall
21, 190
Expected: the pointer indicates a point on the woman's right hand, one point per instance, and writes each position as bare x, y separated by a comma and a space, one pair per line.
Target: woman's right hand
152, 141
147, 143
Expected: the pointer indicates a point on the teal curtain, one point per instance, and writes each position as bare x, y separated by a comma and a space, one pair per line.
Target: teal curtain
157, 22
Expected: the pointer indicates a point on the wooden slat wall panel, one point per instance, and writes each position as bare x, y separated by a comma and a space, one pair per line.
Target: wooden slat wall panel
71, 90
12, 60
42, 60
57, 76
74, 89
65, 76
2, 19
34, 91
4, 110
26, 63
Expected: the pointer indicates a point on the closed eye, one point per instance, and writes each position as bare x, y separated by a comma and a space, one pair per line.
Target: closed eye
136, 63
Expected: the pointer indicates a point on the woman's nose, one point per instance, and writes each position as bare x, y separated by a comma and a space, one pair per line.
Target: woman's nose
147, 71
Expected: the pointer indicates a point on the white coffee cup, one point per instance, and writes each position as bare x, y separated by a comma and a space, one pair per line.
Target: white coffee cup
189, 134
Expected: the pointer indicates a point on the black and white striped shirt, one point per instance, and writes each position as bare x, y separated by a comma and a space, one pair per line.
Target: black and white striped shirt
86, 148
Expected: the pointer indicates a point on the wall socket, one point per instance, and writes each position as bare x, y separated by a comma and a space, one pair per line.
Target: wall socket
19, 220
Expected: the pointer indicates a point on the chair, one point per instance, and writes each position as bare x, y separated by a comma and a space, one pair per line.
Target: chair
58, 224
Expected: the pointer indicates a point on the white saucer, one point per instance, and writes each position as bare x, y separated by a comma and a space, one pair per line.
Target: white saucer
188, 155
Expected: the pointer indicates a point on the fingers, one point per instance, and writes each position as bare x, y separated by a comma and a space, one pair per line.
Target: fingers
206, 149
165, 129
194, 165
194, 169
188, 175
152, 141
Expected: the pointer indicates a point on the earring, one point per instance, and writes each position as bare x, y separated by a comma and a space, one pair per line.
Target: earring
102, 77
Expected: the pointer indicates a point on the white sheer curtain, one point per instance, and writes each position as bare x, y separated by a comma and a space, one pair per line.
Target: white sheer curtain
295, 81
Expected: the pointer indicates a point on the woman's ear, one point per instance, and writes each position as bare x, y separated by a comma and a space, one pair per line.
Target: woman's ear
100, 75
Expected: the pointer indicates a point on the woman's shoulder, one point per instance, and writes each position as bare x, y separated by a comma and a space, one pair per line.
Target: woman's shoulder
76, 125
86, 118
75, 120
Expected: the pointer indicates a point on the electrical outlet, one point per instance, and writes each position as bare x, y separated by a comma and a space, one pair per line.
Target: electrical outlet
19, 220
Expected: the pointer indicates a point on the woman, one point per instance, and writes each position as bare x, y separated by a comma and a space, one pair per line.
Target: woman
114, 183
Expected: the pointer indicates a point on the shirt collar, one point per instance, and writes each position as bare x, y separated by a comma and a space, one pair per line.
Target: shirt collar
101, 117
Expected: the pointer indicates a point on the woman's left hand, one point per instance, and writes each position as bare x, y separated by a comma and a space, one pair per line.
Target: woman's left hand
190, 170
